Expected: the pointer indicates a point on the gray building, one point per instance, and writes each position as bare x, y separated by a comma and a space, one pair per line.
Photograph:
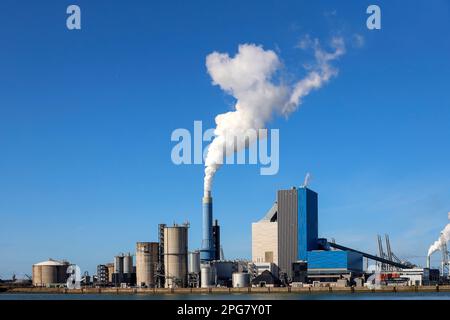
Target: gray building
288, 231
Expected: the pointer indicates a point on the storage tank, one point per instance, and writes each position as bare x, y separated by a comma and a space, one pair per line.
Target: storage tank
44, 273
49, 272
146, 263
241, 280
36, 276
175, 256
207, 276
194, 262
118, 264
128, 263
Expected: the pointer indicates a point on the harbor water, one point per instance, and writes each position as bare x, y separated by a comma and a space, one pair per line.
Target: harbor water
287, 296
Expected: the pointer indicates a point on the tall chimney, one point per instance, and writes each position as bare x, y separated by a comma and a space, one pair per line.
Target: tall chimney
207, 252
216, 239
428, 261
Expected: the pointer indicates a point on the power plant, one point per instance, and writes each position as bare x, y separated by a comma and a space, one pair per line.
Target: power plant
286, 241
286, 252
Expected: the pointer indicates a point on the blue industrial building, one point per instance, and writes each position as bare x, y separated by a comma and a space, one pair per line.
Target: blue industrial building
296, 215
308, 228
309, 243
334, 259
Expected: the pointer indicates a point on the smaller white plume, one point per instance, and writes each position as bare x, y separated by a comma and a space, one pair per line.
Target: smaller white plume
443, 239
307, 180
323, 72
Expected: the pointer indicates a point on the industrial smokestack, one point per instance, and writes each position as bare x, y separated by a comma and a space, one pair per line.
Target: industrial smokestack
207, 252
216, 239
429, 262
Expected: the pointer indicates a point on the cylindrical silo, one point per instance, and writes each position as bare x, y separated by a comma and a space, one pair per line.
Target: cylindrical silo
194, 262
49, 272
146, 263
175, 256
241, 280
37, 276
118, 264
207, 276
128, 263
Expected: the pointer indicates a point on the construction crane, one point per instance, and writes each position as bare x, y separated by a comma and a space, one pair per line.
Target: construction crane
388, 247
393, 256
390, 256
381, 253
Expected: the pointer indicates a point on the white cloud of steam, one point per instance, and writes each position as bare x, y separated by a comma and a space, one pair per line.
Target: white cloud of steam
322, 73
443, 239
249, 78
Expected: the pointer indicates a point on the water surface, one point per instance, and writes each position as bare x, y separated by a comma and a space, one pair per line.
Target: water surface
234, 296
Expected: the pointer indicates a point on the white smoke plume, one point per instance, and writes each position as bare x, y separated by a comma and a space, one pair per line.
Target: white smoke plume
443, 239
249, 78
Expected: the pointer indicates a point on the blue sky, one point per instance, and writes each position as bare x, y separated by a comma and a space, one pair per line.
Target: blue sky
86, 118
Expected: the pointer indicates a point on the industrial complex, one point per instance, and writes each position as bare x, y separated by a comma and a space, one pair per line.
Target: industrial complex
286, 252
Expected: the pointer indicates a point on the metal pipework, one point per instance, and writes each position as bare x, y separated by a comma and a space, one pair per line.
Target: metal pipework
207, 251
372, 257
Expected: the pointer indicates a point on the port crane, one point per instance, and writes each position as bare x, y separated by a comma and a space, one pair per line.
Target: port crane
389, 255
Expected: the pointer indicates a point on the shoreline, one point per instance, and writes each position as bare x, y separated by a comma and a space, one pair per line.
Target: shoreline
266, 290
